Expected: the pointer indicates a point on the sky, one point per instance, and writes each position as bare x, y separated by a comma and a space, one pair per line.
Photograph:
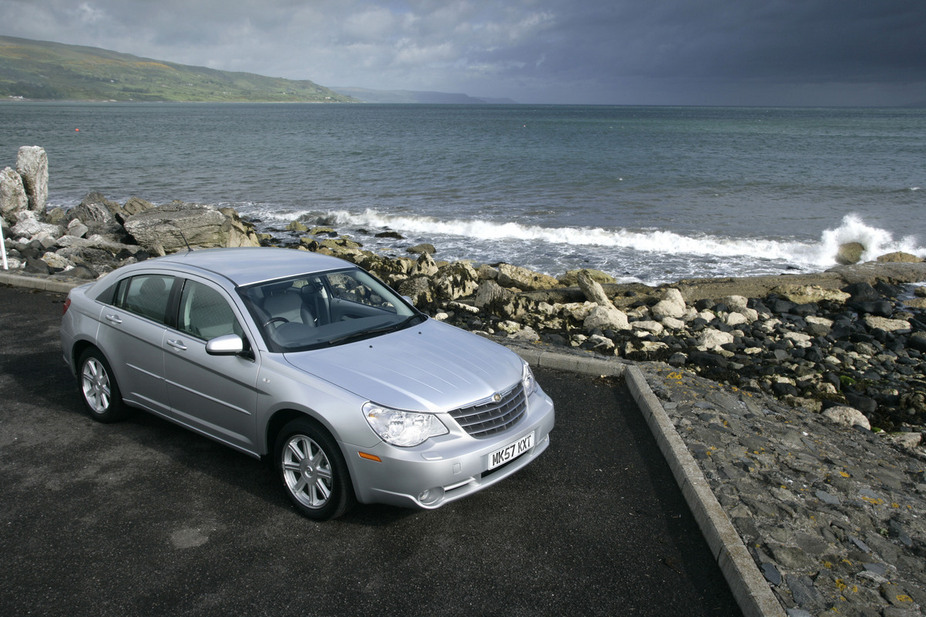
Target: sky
622, 52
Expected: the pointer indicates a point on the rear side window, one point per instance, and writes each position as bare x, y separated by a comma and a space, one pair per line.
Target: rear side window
147, 295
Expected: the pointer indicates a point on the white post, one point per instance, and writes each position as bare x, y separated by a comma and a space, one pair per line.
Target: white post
3, 245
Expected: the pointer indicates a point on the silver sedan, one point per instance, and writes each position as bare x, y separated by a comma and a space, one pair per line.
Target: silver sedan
353, 393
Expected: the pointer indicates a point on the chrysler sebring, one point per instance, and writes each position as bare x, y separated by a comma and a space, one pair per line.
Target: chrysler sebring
352, 393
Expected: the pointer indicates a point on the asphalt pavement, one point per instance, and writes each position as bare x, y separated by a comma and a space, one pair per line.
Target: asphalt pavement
143, 517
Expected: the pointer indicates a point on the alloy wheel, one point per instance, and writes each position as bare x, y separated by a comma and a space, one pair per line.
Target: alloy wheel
95, 385
307, 471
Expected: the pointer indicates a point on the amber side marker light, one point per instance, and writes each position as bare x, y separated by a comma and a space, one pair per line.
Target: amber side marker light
370, 457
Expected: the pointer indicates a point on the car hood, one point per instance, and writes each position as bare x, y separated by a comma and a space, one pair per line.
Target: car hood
429, 367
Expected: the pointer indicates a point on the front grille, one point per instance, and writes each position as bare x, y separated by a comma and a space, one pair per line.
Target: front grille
489, 417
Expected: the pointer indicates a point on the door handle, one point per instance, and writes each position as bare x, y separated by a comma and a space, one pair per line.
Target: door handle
113, 319
177, 344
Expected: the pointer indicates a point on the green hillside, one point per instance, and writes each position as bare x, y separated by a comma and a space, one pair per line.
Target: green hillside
52, 71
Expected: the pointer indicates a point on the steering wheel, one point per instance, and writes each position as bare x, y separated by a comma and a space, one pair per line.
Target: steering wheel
277, 319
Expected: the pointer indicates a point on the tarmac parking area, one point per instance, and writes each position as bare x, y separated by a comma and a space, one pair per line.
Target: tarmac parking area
143, 517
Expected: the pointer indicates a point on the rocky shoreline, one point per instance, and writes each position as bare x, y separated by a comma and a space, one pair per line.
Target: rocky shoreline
851, 337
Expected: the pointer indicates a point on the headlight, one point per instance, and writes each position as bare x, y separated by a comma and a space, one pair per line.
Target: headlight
402, 428
527, 380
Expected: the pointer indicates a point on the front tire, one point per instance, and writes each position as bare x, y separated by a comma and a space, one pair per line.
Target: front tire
98, 387
312, 470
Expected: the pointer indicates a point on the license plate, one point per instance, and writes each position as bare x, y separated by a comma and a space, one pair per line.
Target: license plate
511, 451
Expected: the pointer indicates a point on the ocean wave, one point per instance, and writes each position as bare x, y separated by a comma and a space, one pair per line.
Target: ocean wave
875, 240
802, 254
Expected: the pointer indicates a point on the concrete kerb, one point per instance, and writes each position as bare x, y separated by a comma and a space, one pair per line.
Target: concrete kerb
570, 363
43, 283
752, 592
749, 587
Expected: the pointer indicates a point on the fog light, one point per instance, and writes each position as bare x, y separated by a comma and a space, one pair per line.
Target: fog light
431, 496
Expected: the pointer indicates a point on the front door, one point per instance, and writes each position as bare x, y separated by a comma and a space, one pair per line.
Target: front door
215, 395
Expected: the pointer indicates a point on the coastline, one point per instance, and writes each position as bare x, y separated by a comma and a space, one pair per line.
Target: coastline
851, 336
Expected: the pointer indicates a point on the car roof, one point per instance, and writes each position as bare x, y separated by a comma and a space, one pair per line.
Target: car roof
245, 266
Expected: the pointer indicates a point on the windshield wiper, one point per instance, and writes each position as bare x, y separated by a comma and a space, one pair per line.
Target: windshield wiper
362, 334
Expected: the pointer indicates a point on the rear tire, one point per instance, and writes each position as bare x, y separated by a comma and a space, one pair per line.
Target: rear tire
98, 387
312, 470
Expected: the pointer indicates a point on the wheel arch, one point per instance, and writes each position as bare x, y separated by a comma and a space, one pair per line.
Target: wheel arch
276, 423
282, 417
78, 349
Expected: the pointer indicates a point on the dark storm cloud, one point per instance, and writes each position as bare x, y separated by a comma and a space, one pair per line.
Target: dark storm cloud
605, 51
775, 42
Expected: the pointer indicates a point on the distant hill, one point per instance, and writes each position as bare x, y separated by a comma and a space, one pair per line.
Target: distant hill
53, 71
366, 95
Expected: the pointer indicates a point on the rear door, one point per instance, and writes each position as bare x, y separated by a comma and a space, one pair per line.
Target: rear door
215, 395
132, 335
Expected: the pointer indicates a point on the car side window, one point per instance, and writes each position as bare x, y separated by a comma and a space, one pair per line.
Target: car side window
205, 313
147, 295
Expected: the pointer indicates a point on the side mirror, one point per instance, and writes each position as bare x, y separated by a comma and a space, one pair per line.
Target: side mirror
228, 345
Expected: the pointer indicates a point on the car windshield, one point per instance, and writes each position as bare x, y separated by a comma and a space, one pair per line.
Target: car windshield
317, 310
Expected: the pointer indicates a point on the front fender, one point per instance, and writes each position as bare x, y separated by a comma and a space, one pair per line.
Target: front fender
284, 390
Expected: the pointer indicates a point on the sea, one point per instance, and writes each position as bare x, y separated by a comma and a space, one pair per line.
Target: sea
650, 194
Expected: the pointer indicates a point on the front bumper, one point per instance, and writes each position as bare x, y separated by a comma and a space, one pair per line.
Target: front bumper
429, 478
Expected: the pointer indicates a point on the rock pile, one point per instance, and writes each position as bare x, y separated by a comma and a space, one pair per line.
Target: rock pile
26, 187
99, 235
